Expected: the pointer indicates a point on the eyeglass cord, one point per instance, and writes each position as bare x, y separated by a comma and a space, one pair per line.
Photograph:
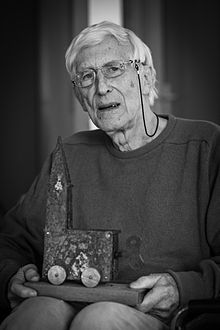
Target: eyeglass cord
142, 106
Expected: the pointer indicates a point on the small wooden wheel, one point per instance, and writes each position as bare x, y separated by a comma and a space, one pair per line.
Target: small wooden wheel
56, 275
90, 277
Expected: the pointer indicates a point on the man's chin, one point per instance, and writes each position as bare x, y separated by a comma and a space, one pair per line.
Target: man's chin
111, 129
110, 125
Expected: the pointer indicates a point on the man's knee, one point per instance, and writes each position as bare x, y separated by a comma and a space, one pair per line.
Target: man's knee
38, 313
95, 316
110, 315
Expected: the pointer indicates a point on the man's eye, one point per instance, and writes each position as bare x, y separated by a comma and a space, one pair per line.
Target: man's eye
114, 68
86, 76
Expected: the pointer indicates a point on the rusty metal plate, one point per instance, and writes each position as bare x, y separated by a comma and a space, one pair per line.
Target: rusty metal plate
80, 249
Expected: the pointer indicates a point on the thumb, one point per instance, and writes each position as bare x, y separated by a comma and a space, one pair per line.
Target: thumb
21, 275
146, 282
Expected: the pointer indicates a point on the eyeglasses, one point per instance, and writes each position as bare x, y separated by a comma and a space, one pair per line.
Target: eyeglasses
112, 69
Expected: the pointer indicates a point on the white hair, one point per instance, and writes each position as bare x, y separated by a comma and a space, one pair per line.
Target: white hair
95, 34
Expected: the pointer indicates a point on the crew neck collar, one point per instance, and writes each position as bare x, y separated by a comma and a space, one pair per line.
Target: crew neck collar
171, 120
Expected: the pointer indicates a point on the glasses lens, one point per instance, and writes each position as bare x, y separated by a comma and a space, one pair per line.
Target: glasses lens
109, 70
85, 78
113, 69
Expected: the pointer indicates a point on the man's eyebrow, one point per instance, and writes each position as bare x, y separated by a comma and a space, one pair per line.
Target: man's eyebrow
106, 63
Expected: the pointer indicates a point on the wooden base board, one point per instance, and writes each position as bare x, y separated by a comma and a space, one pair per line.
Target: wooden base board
70, 291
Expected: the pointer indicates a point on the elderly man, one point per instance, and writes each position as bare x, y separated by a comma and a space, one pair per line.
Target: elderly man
153, 177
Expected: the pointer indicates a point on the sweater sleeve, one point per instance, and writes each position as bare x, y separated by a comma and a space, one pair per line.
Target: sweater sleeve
204, 282
21, 232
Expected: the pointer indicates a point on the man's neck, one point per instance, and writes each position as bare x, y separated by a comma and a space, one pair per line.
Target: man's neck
124, 141
131, 139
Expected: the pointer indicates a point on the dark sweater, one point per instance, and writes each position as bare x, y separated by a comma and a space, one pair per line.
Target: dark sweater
164, 194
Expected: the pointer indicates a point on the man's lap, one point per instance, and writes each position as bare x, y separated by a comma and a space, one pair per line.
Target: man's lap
49, 313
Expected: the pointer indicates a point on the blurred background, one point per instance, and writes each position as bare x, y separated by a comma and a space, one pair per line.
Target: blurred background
37, 101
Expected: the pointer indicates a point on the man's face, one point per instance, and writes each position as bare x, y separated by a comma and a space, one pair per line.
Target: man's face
112, 103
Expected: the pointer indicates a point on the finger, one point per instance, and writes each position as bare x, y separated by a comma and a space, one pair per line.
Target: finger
29, 266
20, 275
32, 275
22, 291
147, 282
152, 299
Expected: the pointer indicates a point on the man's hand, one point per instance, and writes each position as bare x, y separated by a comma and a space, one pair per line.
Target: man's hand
16, 289
163, 298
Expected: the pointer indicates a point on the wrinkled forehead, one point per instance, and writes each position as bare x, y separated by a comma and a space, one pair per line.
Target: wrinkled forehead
106, 51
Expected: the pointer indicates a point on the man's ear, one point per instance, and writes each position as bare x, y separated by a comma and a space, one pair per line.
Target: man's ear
147, 80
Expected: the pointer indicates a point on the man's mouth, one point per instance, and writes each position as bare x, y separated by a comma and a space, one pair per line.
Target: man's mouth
108, 106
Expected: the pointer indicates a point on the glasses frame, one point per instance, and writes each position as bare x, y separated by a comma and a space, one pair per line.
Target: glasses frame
95, 70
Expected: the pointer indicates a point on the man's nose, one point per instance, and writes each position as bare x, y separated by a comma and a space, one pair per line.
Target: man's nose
102, 83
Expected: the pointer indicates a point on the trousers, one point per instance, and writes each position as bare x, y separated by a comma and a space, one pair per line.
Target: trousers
39, 313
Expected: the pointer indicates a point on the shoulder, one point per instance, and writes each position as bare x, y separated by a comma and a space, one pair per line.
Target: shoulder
187, 130
93, 137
